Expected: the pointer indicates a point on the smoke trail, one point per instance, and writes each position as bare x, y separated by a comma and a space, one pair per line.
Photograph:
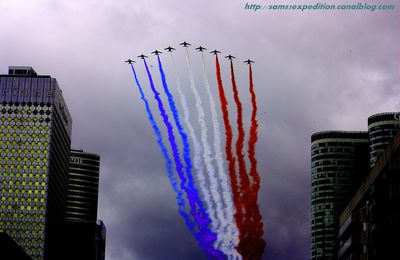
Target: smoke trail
257, 242
181, 130
218, 216
168, 163
228, 150
207, 237
244, 180
231, 232
198, 165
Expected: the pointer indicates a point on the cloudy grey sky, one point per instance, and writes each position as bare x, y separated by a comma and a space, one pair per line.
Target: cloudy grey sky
315, 70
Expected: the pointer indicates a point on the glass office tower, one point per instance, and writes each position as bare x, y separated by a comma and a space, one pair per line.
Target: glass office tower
86, 236
338, 164
381, 128
83, 186
35, 131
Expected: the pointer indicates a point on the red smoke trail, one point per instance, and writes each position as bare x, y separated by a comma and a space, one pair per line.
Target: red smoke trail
244, 179
253, 246
228, 150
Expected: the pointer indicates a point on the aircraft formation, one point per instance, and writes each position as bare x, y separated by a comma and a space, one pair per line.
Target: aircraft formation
186, 45
216, 194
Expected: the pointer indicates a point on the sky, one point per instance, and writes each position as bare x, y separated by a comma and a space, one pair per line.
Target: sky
315, 70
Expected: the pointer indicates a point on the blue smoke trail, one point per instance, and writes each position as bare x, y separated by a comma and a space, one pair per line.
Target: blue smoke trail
168, 162
207, 237
181, 130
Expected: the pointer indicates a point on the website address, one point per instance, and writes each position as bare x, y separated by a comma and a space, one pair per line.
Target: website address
320, 6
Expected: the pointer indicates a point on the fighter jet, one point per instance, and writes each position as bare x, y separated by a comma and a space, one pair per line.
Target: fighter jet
185, 44
142, 56
230, 57
215, 52
169, 49
156, 52
130, 61
201, 49
248, 61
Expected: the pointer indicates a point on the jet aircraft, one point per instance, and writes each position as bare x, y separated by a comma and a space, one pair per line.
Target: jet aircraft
201, 49
185, 44
130, 61
142, 56
156, 52
169, 49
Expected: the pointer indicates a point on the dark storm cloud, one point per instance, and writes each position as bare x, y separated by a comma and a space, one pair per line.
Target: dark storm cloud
314, 71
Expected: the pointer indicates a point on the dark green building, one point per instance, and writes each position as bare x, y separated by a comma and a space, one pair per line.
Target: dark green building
381, 129
338, 163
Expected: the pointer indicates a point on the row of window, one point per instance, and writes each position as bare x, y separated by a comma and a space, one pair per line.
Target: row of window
33, 169
29, 104
23, 136
42, 128
15, 176
27, 217
35, 191
43, 111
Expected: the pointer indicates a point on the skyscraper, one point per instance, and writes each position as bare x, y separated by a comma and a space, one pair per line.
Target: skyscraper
341, 162
86, 235
83, 186
35, 131
381, 129
370, 224
338, 163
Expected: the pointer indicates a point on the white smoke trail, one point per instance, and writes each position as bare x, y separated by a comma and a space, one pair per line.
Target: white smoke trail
197, 150
221, 234
231, 238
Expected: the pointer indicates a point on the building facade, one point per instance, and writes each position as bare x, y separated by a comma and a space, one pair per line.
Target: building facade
35, 137
341, 163
83, 186
337, 165
370, 224
86, 236
381, 129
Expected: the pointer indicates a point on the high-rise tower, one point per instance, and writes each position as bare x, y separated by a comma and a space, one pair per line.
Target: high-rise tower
86, 235
338, 164
35, 131
381, 129
83, 186
342, 163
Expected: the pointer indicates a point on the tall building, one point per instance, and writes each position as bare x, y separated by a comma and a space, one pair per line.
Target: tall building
337, 165
35, 131
83, 186
381, 129
86, 235
370, 224
341, 162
